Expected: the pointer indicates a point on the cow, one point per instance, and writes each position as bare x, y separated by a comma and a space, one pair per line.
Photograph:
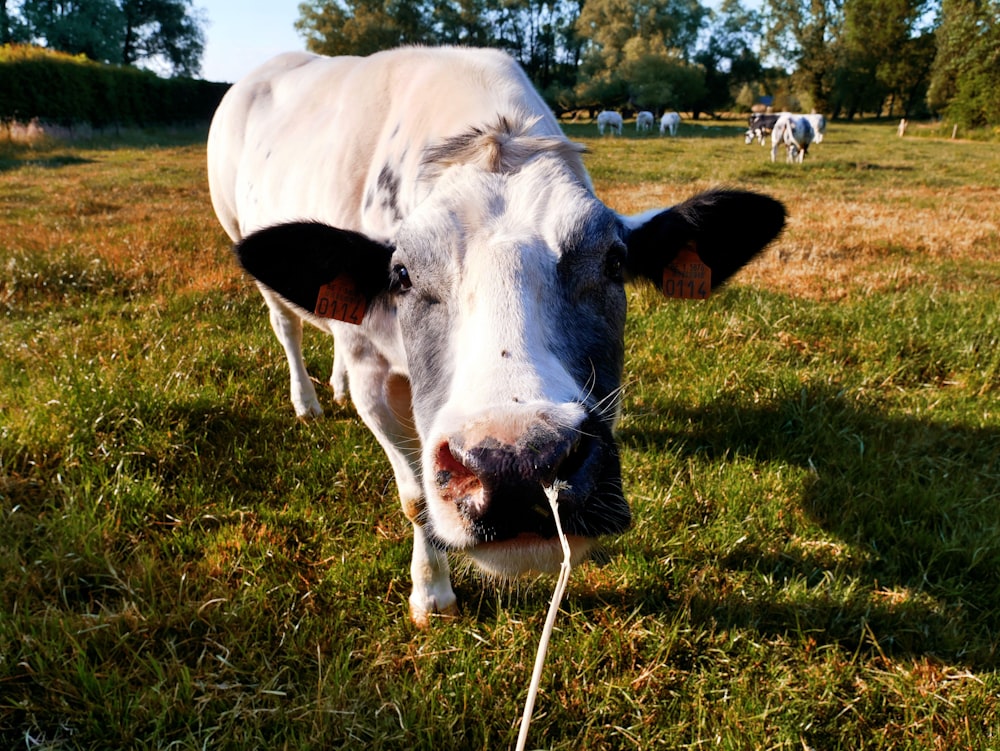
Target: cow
450, 240
796, 133
609, 119
643, 121
759, 127
670, 121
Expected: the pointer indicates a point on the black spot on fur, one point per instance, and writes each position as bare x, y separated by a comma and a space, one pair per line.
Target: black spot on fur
388, 187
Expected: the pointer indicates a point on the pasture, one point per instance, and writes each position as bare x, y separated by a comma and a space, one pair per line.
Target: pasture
812, 456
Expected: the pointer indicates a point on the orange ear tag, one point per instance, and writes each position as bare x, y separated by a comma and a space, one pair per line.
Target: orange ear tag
341, 300
687, 277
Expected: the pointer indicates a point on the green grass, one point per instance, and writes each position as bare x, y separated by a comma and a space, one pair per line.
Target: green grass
813, 458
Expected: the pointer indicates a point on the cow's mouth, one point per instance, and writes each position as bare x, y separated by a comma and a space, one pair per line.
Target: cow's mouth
528, 554
495, 492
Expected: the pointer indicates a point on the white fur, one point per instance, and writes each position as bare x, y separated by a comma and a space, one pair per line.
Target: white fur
795, 133
670, 121
609, 119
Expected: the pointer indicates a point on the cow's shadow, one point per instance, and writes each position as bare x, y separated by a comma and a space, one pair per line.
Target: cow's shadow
914, 500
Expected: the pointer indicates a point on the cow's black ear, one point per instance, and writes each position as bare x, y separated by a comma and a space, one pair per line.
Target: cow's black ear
298, 259
725, 228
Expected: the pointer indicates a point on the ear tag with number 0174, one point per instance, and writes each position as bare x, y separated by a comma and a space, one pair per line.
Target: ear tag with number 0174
341, 300
687, 277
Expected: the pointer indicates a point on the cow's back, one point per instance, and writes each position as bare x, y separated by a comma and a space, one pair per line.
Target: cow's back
341, 139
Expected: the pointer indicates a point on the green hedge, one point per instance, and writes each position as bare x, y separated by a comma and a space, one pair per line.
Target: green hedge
60, 88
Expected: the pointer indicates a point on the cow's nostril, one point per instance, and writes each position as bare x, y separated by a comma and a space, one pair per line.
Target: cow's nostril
581, 453
446, 466
456, 482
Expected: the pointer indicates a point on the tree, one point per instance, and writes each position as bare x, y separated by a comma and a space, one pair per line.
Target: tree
90, 28
607, 25
881, 53
165, 29
805, 34
965, 79
539, 34
361, 27
11, 27
165, 33
637, 53
730, 57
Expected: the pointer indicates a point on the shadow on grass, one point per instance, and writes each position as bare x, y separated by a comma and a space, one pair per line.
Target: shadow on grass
10, 162
916, 499
53, 153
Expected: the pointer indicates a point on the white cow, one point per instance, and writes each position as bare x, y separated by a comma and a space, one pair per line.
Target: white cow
423, 206
670, 121
644, 121
796, 133
818, 123
609, 119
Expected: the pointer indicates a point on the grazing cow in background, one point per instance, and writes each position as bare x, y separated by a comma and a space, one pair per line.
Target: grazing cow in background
760, 127
609, 119
670, 121
644, 121
443, 229
796, 133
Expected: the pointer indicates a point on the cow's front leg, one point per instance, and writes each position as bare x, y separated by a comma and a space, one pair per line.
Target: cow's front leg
338, 378
432, 593
287, 327
382, 399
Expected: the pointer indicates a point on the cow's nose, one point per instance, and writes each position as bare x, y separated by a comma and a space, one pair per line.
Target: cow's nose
498, 486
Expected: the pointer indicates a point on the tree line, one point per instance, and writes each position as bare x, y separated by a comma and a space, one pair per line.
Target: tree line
841, 57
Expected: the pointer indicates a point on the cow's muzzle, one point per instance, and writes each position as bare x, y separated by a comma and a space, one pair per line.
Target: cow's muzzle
498, 487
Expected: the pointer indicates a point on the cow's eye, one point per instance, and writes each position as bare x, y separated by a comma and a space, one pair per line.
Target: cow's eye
614, 264
399, 280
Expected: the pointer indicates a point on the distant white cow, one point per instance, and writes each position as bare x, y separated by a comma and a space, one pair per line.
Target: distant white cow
796, 133
445, 231
609, 119
670, 121
644, 121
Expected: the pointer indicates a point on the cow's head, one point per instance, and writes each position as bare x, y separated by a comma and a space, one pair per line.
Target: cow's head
509, 292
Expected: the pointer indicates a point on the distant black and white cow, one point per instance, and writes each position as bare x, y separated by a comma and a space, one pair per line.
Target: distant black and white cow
795, 132
609, 119
760, 127
423, 206
644, 121
670, 121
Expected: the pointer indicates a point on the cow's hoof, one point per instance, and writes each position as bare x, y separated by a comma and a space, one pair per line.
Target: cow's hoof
422, 617
309, 411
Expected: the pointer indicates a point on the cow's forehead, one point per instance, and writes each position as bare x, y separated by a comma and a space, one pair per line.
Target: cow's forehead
542, 203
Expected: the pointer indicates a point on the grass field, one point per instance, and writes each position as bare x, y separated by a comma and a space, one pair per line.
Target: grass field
812, 455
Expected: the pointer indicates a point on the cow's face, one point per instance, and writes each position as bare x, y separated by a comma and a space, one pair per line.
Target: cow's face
508, 294
510, 297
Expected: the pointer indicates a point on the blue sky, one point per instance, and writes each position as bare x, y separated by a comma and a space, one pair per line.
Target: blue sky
241, 34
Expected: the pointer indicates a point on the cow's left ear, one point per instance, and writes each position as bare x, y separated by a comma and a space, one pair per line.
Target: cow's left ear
329, 272
725, 228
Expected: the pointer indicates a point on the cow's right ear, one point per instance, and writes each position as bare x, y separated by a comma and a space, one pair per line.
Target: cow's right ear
724, 228
304, 261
